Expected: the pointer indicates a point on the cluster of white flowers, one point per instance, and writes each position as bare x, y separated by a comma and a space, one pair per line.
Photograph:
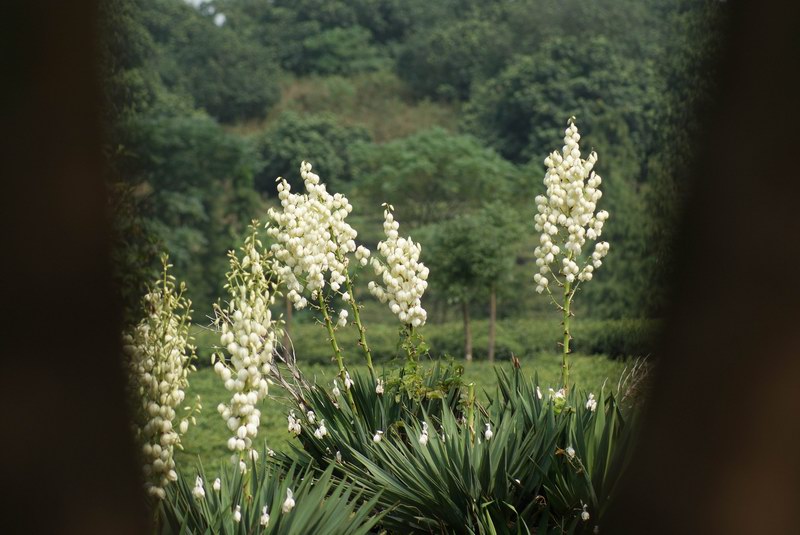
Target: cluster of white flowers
249, 338
591, 403
159, 355
403, 276
312, 239
321, 431
566, 216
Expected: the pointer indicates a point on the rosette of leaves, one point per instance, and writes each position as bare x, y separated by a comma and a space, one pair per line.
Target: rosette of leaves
460, 482
323, 504
407, 398
590, 455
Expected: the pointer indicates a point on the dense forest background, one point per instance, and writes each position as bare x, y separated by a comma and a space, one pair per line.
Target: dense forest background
446, 109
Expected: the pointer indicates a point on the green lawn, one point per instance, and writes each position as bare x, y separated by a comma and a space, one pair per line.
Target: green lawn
207, 439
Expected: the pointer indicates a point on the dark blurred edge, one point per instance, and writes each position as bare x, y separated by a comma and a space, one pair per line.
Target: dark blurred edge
718, 445
66, 455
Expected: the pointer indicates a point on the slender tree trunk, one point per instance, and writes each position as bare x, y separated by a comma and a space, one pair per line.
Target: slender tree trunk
492, 320
287, 329
467, 333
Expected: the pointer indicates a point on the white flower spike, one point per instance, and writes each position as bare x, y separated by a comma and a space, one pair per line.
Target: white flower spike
403, 278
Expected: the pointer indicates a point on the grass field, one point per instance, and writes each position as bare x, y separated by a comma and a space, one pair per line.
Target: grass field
206, 441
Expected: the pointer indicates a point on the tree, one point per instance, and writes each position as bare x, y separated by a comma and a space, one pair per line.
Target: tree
443, 62
469, 256
432, 175
517, 112
319, 139
226, 74
194, 184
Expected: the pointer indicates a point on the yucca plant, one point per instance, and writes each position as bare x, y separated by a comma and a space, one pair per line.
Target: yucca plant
438, 389
267, 500
591, 449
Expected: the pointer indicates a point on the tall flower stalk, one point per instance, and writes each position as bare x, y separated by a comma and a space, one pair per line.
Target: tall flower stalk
159, 355
312, 248
403, 278
249, 337
566, 220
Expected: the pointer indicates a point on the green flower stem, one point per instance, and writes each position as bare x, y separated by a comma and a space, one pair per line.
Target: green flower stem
567, 337
362, 332
411, 349
336, 351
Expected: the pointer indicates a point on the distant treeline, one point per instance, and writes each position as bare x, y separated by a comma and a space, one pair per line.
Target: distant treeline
445, 109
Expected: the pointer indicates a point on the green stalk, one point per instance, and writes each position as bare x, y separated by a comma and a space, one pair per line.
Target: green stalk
362, 332
336, 351
471, 410
567, 337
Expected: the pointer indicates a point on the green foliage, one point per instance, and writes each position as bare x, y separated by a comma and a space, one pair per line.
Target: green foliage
341, 51
323, 503
196, 207
229, 77
444, 62
517, 112
431, 176
293, 138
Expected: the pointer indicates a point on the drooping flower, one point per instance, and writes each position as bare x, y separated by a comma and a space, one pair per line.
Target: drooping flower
217, 485
379, 387
570, 452
585, 513
488, 433
377, 437
265, 516
288, 504
237, 514
348, 383
591, 403
336, 392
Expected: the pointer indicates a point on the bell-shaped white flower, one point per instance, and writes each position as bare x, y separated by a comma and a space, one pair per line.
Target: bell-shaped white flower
488, 433
377, 437
237, 514
198, 491
288, 504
